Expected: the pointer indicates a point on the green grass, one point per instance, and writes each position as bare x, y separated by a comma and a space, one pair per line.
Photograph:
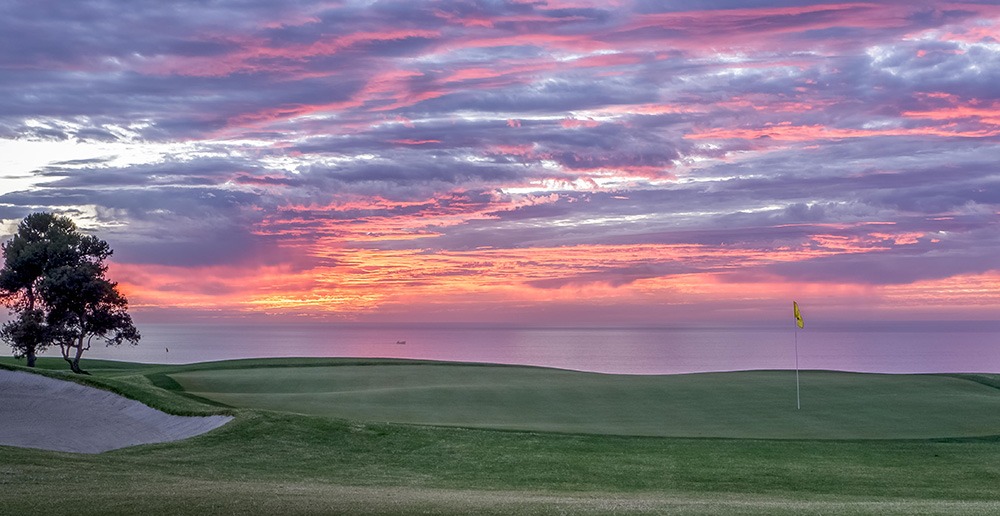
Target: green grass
268, 462
755, 404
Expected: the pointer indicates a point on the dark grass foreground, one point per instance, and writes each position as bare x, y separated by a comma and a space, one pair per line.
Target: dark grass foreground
268, 462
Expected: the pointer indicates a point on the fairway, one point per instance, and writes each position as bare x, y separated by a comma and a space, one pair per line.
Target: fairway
749, 404
329, 461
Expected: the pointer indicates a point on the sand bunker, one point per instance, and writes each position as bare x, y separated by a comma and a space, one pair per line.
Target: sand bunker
41, 412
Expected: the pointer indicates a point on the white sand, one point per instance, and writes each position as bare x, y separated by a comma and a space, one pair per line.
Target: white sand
41, 412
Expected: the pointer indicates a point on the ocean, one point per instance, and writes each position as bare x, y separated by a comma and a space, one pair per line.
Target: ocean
918, 347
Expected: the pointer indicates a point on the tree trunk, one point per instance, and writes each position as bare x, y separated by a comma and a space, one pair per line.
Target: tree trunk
30, 352
74, 363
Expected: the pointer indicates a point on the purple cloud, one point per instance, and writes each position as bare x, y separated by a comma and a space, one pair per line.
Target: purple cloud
263, 132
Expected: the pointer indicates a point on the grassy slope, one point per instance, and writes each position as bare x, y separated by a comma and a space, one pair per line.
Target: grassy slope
755, 404
268, 462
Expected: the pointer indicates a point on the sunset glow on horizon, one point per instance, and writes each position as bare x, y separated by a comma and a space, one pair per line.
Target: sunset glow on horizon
538, 162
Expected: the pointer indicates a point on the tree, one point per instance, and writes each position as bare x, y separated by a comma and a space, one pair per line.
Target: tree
43, 242
28, 334
83, 304
42, 259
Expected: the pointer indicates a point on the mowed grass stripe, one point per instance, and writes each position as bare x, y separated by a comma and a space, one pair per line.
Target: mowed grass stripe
750, 404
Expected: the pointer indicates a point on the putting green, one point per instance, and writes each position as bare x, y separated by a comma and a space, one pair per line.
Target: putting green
751, 404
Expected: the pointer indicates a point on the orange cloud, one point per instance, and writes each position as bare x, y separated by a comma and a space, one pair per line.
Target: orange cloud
359, 279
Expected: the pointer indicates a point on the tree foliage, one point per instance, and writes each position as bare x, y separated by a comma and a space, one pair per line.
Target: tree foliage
27, 334
54, 283
83, 304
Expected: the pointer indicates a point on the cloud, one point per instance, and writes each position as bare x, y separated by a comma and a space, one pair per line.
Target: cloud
900, 264
346, 146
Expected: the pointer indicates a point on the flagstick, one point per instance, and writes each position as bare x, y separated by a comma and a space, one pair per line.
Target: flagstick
798, 399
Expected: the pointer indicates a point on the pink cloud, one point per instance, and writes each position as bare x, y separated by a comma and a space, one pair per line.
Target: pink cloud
572, 123
786, 131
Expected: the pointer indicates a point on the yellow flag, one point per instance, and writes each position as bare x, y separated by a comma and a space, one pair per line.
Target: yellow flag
798, 315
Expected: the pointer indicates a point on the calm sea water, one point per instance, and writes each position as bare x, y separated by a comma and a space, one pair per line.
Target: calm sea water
909, 348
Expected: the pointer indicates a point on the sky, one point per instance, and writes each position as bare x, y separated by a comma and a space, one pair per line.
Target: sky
549, 162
